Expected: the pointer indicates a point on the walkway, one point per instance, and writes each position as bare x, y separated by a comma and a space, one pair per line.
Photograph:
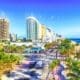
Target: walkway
57, 73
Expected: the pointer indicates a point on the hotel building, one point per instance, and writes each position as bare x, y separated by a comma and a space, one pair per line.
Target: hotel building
33, 29
4, 29
43, 33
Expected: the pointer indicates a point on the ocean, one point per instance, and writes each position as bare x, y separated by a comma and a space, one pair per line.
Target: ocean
76, 40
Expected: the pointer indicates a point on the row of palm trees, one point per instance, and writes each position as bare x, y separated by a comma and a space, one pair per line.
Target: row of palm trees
66, 48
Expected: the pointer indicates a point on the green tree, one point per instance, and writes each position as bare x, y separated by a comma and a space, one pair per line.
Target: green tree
74, 68
8, 62
50, 45
66, 47
14, 49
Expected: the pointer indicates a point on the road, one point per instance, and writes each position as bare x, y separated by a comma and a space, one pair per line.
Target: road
35, 66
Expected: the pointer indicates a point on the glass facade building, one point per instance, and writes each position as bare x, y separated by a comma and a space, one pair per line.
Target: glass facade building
32, 29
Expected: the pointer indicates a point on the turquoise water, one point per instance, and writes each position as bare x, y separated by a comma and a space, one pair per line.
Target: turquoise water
76, 39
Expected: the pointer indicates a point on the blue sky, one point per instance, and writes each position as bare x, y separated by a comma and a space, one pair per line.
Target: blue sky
63, 16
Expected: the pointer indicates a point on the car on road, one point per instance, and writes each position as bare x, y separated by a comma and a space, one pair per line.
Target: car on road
39, 65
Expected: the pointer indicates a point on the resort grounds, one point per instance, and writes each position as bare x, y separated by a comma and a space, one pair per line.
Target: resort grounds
59, 60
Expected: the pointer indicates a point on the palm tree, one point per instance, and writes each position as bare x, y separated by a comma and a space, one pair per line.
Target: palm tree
66, 48
74, 68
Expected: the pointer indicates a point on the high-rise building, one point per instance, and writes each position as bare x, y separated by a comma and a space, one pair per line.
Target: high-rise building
50, 35
43, 32
13, 37
4, 29
33, 29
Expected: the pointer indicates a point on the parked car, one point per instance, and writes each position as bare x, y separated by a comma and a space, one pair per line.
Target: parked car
39, 65
30, 65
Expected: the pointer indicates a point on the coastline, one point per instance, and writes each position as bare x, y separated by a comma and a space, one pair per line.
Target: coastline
75, 40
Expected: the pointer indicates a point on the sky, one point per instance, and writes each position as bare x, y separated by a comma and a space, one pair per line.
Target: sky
62, 16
